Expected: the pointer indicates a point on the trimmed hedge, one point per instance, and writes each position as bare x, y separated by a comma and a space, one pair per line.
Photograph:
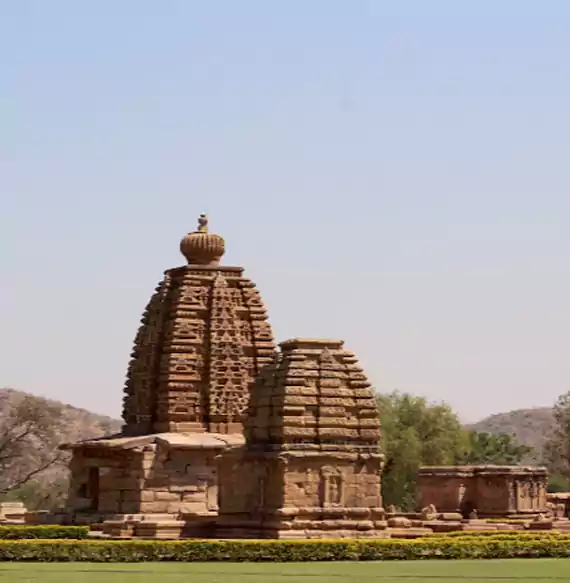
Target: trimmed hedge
488, 539
277, 551
502, 534
43, 531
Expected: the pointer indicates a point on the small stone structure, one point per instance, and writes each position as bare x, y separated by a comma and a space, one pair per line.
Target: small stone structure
312, 464
492, 491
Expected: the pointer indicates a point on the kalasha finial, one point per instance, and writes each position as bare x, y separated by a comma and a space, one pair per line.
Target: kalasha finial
202, 247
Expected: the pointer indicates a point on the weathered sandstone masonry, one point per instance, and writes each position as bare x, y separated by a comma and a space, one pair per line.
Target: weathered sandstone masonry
203, 340
311, 466
490, 491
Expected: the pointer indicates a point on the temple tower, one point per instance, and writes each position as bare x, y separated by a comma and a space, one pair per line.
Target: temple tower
203, 339
311, 466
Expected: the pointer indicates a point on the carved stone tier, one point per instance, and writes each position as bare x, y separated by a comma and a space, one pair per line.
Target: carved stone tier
314, 393
204, 337
492, 491
311, 467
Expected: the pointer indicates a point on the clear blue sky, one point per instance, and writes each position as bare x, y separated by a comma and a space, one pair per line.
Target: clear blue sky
394, 173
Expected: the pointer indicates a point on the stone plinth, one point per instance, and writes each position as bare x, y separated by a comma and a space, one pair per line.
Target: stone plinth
312, 465
12, 511
492, 491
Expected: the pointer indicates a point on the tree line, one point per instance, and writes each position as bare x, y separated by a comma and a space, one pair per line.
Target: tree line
418, 433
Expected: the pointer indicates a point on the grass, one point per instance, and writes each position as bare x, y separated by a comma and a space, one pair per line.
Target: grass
488, 571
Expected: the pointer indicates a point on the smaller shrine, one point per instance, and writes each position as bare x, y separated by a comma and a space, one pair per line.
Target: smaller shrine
311, 466
487, 491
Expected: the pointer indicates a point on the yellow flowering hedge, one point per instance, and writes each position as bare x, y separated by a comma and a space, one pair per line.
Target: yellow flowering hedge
283, 551
41, 531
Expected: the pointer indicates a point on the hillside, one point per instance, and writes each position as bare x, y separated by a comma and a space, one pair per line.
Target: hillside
75, 424
530, 426
30, 440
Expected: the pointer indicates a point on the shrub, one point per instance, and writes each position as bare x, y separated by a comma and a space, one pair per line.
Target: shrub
42, 531
519, 534
279, 551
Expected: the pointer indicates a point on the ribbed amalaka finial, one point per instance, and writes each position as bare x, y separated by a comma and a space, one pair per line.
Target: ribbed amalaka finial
202, 247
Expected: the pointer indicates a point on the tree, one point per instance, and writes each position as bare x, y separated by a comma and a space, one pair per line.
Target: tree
28, 442
41, 494
486, 448
557, 447
557, 483
415, 433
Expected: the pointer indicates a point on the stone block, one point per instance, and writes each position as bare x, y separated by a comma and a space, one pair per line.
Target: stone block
198, 508
399, 522
166, 496
453, 516
147, 496
154, 507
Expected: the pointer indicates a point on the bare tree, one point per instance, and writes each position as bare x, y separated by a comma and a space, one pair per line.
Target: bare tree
29, 439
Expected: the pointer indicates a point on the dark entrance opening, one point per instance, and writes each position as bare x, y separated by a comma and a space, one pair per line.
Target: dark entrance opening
93, 488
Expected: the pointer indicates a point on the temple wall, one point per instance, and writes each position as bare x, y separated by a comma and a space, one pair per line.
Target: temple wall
448, 493
246, 485
287, 495
493, 491
531, 493
332, 481
491, 495
104, 481
154, 481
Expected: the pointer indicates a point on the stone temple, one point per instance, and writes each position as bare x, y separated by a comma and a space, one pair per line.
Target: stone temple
225, 434
311, 466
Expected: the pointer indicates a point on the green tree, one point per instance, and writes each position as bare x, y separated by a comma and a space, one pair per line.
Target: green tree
557, 484
486, 448
415, 433
557, 447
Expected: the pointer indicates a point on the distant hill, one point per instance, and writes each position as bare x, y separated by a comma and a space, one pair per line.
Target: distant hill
71, 425
529, 426
77, 424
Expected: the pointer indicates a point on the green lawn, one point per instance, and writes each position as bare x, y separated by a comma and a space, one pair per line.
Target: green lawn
532, 570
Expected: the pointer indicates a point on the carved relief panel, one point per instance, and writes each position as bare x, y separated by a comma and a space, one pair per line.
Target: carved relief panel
332, 487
